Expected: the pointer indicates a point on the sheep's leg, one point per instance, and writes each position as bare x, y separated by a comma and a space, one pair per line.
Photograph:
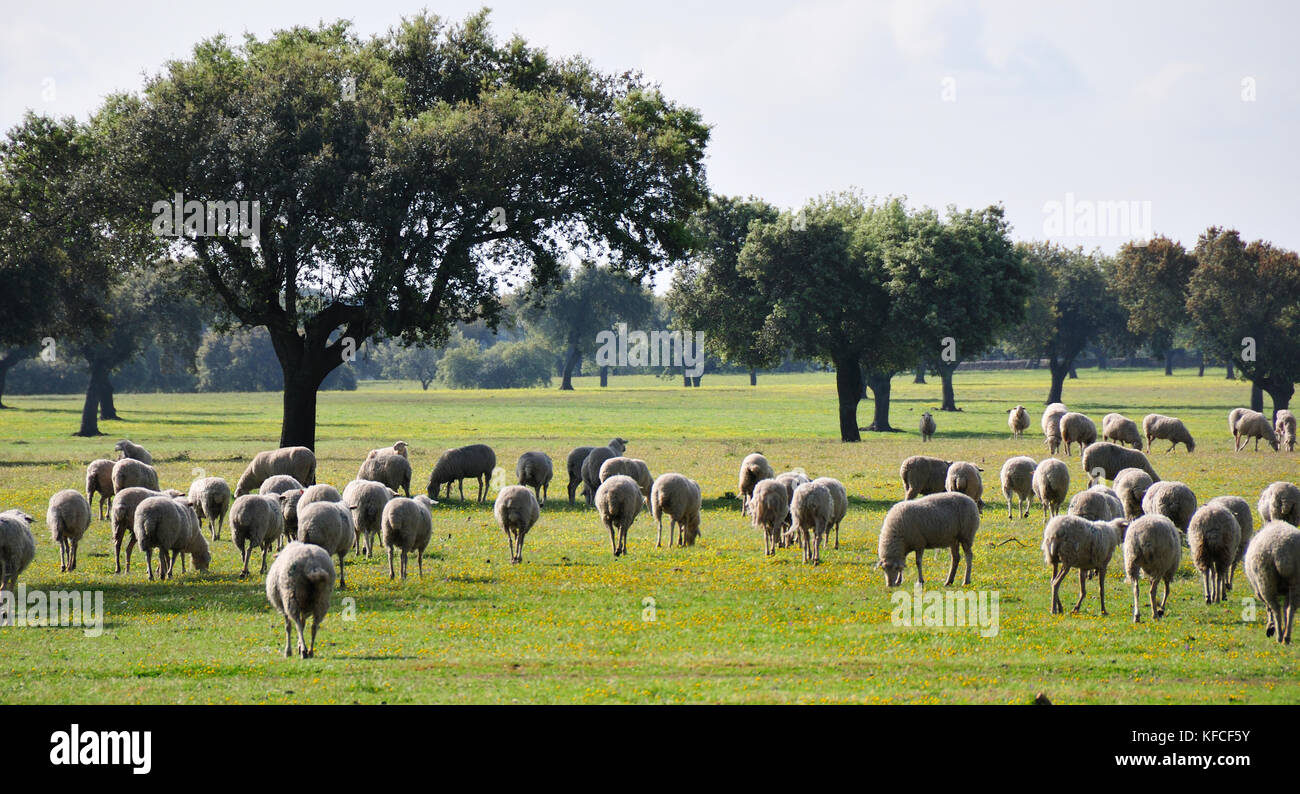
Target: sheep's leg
1205, 585
402, 564
970, 558
419, 558
1101, 589
1155, 612
247, 552
1055, 587
302, 636
1290, 615
391, 572
1083, 590
72, 554
954, 550
265, 548
288, 636
343, 582
659, 537
1274, 609
148, 555
315, 624
919, 578
130, 544
837, 535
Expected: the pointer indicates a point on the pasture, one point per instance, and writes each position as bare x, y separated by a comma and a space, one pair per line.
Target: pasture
730, 626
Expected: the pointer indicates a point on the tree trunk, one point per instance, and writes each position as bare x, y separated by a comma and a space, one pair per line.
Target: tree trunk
1232, 372
879, 383
1103, 361
566, 383
604, 377
298, 428
90, 408
920, 373
107, 410
753, 380
4, 375
848, 387
695, 381
1200, 363
1256, 397
945, 371
1169, 362
1073, 373
1281, 392
1059, 371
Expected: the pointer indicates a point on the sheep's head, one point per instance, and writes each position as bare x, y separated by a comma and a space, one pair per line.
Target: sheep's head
400, 448
893, 569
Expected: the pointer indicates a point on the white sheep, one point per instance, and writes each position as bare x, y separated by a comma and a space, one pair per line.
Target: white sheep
579, 456
1252, 424
131, 473
1051, 424
1017, 477
1284, 425
516, 511
923, 475
297, 462
1167, 428
99, 480
1077, 429
1273, 570
812, 508
1098, 503
1241, 511
631, 467
17, 547
618, 500
1173, 500
255, 522
678, 497
211, 499
964, 477
1152, 546
389, 467
839, 502
126, 449
1121, 430
277, 484
328, 525
1073, 541
938, 521
1051, 485
170, 526
123, 520
1131, 485
1280, 501
753, 470
535, 470
1214, 537
1105, 460
1018, 421
300, 583
768, 507
68, 518
790, 480
367, 499
927, 426
408, 528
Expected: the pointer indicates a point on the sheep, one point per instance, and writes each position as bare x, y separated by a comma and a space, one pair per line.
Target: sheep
753, 470
1273, 570
367, 499
1241, 511
328, 525
923, 475
1105, 460
123, 520
455, 465
1077, 428
927, 426
389, 467
126, 449
1018, 421
516, 510
297, 462
1121, 430
1233, 416
1284, 428
839, 503
170, 525
68, 518
1167, 428
937, 521
255, 522
320, 492
1152, 546
618, 500
408, 527
964, 477
591, 471
211, 498
1131, 485
1098, 503
300, 583
1280, 501
1074, 541
790, 480
632, 467
99, 480
1171, 499
279, 483
534, 470
679, 497
1252, 424
131, 473
1051, 483
1214, 536
17, 547
578, 456
1051, 424
768, 507
812, 508
398, 448
1017, 478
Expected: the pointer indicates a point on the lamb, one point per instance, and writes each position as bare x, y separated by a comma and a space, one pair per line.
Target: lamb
297, 462
1284, 428
1077, 428
68, 518
1051, 424
170, 525
1252, 424
300, 583
516, 510
632, 467
1167, 428
1098, 503
534, 470
923, 475
123, 520
1273, 570
591, 470
455, 465
328, 525
1073, 541
679, 497
1051, 483
753, 470
964, 477
927, 426
1018, 421
1131, 485
408, 527
938, 521
389, 467
367, 499
126, 449
1017, 478
1280, 501
839, 503
1171, 499
255, 522
768, 507
1214, 537
579, 455
131, 473
17, 547
618, 500
812, 508
278, 484
211, 498
1240, 510
1152, 546
99, 480
1120, 429
1104, 460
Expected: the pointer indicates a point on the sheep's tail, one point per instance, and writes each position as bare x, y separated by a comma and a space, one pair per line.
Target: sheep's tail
317, 575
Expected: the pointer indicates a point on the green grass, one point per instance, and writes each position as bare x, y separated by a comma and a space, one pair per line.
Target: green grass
566, 626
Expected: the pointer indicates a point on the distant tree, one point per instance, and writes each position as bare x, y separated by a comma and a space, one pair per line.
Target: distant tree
409, 362
519, 364
1150, 282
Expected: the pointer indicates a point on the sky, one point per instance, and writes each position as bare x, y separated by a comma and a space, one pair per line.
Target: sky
1157, 117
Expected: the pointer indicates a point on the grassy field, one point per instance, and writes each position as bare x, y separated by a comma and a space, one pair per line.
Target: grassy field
567, 625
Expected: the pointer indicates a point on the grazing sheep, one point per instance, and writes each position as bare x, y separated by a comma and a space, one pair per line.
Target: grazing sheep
1074, 541
1273, 570
938, 521
297, 462
1280, 501
1051, 424
389, 467
300, 583
516, 510
753, 470
1098, 503
1252, 424
591, 471
125, 449
618, 500
169, 525
123, 520
1171, 499
131, 473
964, 477
1233, 416
790, 480
679, 497
1284, 428
455, 465
1152, 546
769, 506
1105, 460
17, 547
320, 492
579, 456
99, 480
255, 522
812, 508
1214, 537
1077, 429
1240, 510
1120, 429
1131, 485
632, 467
927, 426
408, 527
534, 470
1051, 485
278, 484
289, 508
1018, 421
211, 499
367, 499
68, 518
923, 475
328, 525
1018, 481
1167, 428
839, 503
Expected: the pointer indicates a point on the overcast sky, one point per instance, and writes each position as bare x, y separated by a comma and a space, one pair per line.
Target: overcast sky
1192, 107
